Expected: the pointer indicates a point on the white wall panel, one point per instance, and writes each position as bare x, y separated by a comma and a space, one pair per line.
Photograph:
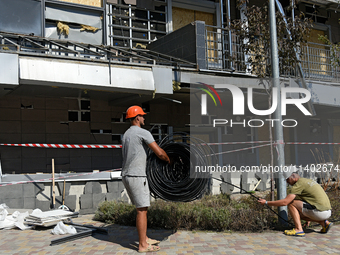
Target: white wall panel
9, 69
325, 95
84, 75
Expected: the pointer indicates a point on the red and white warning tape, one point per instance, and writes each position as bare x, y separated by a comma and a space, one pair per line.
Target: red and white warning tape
81, 146
280, 142
248, 142
56, 178
62, 146
115, 146
243, 149
312, 143
258, 146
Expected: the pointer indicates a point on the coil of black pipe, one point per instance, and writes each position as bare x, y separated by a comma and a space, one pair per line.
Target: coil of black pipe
179, 181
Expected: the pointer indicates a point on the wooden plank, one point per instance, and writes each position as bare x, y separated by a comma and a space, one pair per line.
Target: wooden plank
97, 3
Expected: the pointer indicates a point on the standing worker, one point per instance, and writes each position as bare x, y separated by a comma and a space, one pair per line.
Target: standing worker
135, 142
306, 201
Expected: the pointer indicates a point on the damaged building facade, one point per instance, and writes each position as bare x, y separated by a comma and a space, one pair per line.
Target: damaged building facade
71, 68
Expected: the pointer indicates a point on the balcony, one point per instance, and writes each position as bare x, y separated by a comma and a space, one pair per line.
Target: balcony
217, 49
225, 52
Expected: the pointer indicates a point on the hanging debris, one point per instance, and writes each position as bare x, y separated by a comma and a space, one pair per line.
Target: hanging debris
89, 28
140, 46
63, 28
176, 85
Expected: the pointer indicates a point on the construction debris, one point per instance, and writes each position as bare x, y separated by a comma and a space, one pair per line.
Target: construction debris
62, 229
176, 85
16, 219
63, 28
81, 233
88, 28
48, 218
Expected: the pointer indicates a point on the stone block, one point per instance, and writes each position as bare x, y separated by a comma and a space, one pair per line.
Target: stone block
70, 201
28, 190
244, 182
115, 186
43, 205
92, 188
112, 197
60, 186
226, 188
11, 191
263, 184
32, 189
86, 201
29, 203
97, 199
58, 201
14, 203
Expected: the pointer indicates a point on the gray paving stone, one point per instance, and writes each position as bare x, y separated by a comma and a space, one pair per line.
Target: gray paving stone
123, 240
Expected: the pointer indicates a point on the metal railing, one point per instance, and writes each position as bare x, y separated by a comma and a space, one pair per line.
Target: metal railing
316, 59
317, 62
40, 47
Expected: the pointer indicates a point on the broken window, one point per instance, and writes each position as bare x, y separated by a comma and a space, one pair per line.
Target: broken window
134, 24
83, 114
21, 17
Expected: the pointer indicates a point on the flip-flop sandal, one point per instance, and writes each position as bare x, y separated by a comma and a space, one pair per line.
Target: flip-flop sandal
294, 233
151, 248
152, 241
326, 228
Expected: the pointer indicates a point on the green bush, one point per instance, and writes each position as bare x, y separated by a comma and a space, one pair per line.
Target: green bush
335, 203
217, 213
116, 212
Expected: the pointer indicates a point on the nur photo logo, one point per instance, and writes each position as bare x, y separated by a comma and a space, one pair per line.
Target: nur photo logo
239, 102
204, 97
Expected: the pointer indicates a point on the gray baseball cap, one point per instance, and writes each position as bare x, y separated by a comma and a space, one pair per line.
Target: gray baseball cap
288, 171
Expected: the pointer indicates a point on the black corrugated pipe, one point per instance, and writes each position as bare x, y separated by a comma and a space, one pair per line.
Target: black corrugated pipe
178, 181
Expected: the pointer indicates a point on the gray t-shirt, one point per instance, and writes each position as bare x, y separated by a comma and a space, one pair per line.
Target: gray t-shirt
135, 143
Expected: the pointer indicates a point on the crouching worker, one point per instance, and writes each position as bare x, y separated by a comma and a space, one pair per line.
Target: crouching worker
313, 206
135, 142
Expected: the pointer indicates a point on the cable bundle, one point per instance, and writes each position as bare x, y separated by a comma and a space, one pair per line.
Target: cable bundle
178, 181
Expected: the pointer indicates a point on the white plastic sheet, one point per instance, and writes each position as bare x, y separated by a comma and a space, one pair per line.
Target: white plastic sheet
14, 220
62, 229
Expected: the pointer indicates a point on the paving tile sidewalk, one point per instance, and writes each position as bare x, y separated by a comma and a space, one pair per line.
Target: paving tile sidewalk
123, 240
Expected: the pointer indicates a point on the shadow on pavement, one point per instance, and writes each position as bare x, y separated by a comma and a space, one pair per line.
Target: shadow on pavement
127, 237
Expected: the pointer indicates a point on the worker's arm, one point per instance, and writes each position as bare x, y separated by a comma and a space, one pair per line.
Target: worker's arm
159, 152
282, 202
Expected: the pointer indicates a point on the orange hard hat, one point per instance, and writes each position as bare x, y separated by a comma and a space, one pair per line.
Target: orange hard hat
133, 111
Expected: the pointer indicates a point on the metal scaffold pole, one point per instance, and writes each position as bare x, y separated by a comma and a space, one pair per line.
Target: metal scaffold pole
278, 129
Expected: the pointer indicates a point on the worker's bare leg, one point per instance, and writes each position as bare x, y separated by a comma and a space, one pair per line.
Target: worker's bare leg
295, 210
141, 224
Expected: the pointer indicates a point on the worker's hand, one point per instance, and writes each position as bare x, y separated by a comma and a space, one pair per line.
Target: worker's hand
262, 201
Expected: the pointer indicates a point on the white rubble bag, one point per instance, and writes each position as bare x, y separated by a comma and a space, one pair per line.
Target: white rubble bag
62, 229
3, 212
14, 220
